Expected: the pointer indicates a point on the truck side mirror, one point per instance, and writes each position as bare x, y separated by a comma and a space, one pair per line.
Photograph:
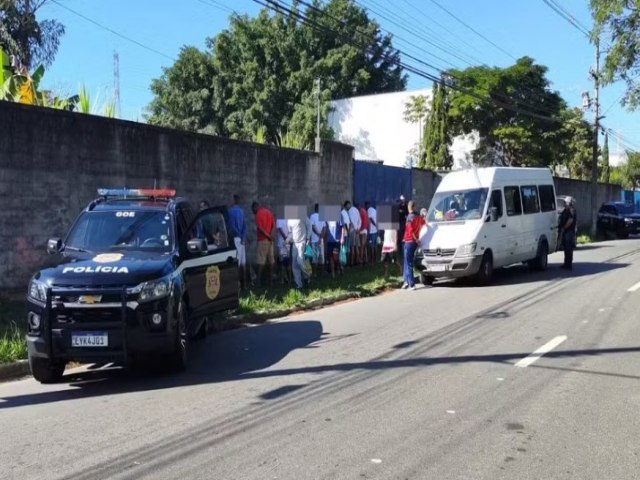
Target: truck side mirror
54, 245
197, 246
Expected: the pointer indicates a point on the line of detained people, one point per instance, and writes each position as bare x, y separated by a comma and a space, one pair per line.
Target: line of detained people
302, 247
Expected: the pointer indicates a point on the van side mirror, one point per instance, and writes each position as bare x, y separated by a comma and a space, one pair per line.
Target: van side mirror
493, 214
54, 245
197, 246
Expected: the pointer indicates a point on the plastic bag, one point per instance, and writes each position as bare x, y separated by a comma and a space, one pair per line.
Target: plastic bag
343, 255
307, 269
308, 252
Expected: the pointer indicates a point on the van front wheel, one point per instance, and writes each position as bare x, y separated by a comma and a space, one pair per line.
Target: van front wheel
483, 277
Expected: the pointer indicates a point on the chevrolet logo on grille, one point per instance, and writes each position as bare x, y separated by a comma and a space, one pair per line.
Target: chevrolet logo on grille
89, 299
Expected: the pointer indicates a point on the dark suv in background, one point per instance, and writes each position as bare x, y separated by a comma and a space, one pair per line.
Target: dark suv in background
618, 218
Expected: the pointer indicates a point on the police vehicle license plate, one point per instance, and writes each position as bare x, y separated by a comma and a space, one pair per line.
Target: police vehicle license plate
437, 268
90, 339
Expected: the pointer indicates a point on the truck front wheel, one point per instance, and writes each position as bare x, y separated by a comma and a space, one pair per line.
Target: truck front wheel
45, 370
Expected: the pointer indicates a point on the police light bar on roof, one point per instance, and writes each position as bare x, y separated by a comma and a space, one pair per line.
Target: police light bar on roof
137, 192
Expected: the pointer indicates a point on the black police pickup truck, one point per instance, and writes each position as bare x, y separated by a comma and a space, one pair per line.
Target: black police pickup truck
137, 275
618, 218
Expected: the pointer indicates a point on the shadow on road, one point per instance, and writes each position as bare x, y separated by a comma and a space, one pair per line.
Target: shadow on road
223, 357
520, 274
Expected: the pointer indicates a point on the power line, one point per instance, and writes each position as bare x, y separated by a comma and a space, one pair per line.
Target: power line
110, 30
279, 7
567, 16
442, 44
472, 29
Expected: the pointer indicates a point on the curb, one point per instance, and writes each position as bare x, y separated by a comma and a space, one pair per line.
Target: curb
13, 370
312, 305
20, 368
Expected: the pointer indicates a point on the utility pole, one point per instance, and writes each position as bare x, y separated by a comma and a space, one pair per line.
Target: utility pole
596, 127
116, 83
317, 82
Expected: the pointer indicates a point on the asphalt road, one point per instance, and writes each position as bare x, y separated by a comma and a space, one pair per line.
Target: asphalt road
432, 384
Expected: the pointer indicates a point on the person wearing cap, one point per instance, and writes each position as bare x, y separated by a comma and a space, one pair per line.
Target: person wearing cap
567, 233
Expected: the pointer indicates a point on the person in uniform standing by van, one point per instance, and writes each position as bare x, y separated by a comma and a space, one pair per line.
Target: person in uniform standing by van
567, 233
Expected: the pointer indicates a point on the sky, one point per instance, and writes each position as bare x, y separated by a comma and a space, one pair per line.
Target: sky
148, 35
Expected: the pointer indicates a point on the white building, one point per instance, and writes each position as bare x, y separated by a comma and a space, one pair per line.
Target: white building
375, 126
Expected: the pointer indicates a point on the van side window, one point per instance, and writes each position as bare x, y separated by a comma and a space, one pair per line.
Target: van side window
530, 199
496, 201
547, 198
512, 201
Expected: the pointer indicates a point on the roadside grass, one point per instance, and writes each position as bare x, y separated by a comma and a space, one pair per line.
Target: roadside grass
362, 281
12, 331
584, 239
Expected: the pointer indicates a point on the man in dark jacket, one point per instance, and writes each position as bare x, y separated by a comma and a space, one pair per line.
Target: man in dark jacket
567, 233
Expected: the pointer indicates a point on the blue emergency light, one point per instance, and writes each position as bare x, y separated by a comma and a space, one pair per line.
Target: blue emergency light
137, 192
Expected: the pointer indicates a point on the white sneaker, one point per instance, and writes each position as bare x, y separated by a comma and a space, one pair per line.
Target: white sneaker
405, 285
411, 289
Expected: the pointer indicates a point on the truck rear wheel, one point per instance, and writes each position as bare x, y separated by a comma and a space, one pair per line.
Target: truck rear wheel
45, 370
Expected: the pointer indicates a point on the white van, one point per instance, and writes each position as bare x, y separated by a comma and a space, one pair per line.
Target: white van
485, 218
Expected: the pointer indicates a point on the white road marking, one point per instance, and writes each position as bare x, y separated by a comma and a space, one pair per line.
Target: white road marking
451, 411
634, 288
546, 348
500, 379
376, 460
601, 310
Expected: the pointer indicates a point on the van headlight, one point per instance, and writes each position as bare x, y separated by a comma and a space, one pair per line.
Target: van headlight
38, 290
153, 289
466, 250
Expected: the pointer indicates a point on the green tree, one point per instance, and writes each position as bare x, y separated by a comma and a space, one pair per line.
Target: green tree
183, 94
605, 171
514, 111
575, 146
29, 40
618, 21
436, 132
261, 72
415, 111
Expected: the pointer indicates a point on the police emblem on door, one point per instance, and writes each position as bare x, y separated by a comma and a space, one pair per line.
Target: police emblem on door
212, 282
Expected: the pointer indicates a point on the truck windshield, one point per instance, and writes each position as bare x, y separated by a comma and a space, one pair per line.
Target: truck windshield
121, 230
458, 205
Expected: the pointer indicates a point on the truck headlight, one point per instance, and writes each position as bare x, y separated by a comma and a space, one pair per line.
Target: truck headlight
628, 220
466, 250
38, 290
153, 289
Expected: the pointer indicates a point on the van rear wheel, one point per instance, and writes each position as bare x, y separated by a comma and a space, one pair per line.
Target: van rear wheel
540, 263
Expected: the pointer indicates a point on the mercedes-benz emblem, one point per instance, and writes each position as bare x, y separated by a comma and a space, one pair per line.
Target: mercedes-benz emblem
438, 252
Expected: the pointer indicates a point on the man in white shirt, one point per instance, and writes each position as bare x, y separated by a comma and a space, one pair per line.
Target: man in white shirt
373, 230
354, 232
318, 234
300, 230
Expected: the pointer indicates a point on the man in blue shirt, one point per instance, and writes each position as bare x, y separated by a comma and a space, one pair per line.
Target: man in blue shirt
238, 230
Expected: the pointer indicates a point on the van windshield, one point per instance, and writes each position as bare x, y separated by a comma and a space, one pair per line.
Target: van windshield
458, 205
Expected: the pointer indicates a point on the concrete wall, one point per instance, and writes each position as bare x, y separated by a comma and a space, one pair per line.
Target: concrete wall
581, 191
375, 126
423, 185
52, 162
